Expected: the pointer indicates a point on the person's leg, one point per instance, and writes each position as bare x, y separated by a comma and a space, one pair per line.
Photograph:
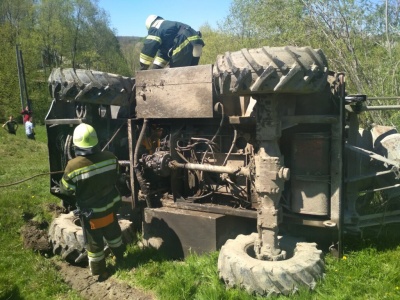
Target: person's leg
113, 236
195, 61
183, 58
95, 249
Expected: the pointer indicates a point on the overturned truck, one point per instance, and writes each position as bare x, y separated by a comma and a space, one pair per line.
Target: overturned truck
260, 156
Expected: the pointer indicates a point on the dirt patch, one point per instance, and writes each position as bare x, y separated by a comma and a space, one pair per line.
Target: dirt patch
34, 234
55, 209
35, 237
80, 280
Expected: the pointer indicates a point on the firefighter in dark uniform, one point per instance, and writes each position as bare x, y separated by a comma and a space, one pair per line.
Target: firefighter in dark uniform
170, 42
89, 179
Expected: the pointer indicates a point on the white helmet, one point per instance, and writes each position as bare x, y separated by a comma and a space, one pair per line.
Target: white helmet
85, 136
150, 19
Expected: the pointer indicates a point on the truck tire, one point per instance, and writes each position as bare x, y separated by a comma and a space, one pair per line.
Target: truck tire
91, 87
238, 266
66, 236
271, 70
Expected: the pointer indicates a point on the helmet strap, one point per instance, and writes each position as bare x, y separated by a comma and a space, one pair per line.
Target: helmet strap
86, 151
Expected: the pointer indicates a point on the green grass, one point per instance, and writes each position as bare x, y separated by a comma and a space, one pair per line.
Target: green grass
25, 274
369, 270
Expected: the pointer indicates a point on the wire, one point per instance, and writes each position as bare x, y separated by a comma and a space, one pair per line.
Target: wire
233, 144
29, 178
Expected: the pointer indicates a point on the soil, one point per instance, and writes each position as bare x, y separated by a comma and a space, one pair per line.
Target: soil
89, 287
34, 236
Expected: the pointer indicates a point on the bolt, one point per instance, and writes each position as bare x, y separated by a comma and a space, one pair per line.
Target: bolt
284, 173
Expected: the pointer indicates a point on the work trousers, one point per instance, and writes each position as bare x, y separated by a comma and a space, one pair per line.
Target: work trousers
95, 245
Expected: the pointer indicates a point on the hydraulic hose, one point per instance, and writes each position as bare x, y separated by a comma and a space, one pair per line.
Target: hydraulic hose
141, 180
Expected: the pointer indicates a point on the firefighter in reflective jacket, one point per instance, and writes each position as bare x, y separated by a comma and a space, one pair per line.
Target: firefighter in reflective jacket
170, 42
89, 179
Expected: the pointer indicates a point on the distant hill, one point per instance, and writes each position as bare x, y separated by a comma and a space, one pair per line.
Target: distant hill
131, 47
127, 40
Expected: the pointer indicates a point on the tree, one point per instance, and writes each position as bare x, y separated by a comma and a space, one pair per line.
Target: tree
265, 22
359, 37
217, 42
131, 48
354, 34
53, 33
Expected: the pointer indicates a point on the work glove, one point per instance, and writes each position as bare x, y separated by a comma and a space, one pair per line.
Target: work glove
154, 67
143, 67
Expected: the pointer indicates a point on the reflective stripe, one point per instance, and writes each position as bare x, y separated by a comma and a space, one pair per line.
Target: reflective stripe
145, 59
108, 206
96, 256
94, 172
181, 46
115, 242
154, 38
157, 23
193, 38
95, 169
185, 43
69, 187
160, 62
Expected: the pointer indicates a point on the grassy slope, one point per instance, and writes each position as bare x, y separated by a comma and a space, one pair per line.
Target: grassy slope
367, 273
23, 273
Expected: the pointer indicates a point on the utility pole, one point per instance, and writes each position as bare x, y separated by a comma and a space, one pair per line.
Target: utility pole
23, 90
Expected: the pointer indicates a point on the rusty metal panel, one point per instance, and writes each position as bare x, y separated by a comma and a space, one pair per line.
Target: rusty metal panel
175, 93
179, 232
310, 180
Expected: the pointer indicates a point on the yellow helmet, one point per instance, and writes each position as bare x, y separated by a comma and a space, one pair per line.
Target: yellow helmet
85, 136
150, 19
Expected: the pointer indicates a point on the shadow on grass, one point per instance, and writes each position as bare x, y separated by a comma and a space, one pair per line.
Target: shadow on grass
382, 238
140, 256
11, 292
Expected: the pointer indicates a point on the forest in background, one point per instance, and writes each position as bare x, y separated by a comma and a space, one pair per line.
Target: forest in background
358, 37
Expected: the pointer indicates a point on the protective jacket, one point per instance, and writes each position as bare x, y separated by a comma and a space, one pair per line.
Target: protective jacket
169, 42
90, 180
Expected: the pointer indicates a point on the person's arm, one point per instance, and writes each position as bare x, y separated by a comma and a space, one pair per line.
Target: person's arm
67, 185
67, 188
151, 45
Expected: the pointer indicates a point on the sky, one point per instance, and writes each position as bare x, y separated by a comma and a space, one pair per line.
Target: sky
128, 16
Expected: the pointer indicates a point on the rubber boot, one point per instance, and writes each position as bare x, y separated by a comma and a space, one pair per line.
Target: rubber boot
119, 253
97, 267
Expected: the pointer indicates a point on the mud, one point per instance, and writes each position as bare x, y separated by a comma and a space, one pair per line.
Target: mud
89, 287
34, 236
